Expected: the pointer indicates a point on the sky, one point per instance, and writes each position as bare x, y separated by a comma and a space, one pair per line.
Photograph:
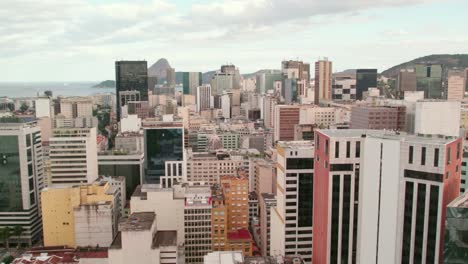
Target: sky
79, 40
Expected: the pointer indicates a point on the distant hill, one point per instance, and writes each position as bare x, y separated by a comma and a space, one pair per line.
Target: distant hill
347, 72
105, 84
158, 69
449, 60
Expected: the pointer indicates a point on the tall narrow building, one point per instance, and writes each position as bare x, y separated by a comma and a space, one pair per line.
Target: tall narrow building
190, 82
21, 180
130, 76
323, 80
291, 219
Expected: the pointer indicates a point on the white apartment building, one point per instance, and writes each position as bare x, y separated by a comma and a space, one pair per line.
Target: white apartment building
73, 107
73, 156
291, 219
437, 117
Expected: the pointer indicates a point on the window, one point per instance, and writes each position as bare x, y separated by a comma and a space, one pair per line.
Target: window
436, 157
348, 149
337, 149
318, 143
458, 150
449, 158
358, 149
326, 146
423, 156
410, 155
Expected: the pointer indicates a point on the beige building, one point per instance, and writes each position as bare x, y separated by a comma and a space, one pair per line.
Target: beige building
209, 167
456, 85
73, 107
80, 216
323, 80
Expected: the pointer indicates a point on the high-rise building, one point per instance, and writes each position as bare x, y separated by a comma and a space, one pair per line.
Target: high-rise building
190, 82
21, 180
268, 111
380, 196
131, 76
227, 79
204, 98
290, 90
456, 221
429, 79
73, 107
286, 117
80, 216
265, 81
73, 156
323, 80
266, 205
164, 141
406, 81
344, 89
365, 79
378, 117
456, 84
170, 76
291, 219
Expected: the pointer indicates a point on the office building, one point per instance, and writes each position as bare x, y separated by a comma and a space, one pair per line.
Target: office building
225, 80
378, 117
437, 117
429, 79
204, 98
456, 84
265, 81
285, 118
73, 156
268, 111
130, 76
365, 79
72, 107
21, 180
80, 216
384, 219
344, 89
323, 80
140, 238
170, 76
406, 81
164, 142
267, 202
291, 219
464, 173
290, 90
190, 82
456, 223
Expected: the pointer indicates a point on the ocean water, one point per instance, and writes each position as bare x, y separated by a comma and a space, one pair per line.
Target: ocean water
26, 89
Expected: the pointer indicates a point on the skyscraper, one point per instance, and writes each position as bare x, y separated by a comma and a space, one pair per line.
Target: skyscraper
21, 179
456, 85
365, 79
291, 219
204, 97
131, 76
429, 79
190, 82
323, 80
406, 81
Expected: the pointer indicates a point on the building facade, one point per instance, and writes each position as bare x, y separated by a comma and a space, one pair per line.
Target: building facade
323, 80
131, 76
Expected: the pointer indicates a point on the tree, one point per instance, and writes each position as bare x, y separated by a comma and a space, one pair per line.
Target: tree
17, 232
24, 107
5, 234
8, 259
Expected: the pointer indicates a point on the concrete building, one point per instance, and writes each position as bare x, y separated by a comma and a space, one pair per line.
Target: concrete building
437, 118
130, 123
131, 77
204, 98
464, 173
365, 79
323, 80
72, 107
291, 219
320, 116
264, 176
429, 80
267, 201
139, 238
378, 117
190, 82
21, 180
455, 246
226, 105
43, 107
73, 156
80, 216
406, 81
286, 117
456, 84
384, 219
265, 81
343, 89
268, 111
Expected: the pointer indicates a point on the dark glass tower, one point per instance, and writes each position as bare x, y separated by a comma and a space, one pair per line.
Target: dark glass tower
365, 79
130, 76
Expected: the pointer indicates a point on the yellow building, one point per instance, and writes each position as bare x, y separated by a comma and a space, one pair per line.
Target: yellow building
230, 215
60, 203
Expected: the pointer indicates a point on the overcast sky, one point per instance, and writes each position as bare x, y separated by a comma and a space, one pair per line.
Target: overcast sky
79, 40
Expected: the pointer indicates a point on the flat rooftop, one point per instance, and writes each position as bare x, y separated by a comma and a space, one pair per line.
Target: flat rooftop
165, 239
460, 202
301, 144
268, 196
138, 222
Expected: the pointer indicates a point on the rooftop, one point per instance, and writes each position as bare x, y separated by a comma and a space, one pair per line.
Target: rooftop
241, 234
460, 202
137, 222
259, 260
223, 257
165, 239
268, 196
302, 144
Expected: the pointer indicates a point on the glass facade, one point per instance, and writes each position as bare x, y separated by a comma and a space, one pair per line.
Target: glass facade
131, 76
10, 175
306, 186
365, 79
131, 172
161, 145
456, 235
429, 80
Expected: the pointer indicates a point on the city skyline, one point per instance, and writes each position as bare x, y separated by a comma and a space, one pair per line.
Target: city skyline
82, 42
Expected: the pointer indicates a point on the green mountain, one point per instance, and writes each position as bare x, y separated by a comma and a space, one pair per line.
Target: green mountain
449, 60
105, 84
